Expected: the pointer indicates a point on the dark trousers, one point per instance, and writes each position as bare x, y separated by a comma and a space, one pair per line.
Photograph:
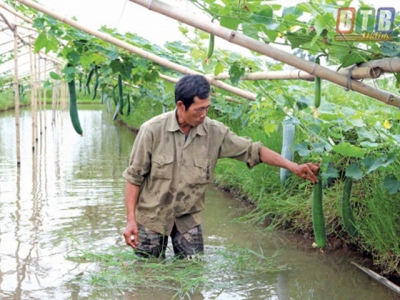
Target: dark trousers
154, 244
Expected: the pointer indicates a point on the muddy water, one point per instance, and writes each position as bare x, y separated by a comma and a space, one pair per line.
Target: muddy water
69, 192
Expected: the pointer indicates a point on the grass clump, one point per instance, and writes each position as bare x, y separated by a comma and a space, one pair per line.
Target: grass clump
221, 268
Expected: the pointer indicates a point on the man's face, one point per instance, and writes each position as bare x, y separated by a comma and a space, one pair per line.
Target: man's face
197, 112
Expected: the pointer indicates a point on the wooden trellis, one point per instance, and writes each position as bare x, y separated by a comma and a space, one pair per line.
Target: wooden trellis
268, 50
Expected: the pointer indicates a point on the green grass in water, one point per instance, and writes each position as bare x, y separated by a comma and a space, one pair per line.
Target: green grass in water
221, 268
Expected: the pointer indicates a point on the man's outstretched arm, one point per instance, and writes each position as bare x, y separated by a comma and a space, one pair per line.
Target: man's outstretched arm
307, 171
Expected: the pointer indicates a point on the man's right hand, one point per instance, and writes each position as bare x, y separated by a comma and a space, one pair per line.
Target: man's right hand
131, 234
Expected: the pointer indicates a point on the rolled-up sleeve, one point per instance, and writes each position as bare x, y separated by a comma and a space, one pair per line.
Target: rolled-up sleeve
240, 148
140, 158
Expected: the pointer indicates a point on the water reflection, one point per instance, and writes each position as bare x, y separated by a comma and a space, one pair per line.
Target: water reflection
69, 193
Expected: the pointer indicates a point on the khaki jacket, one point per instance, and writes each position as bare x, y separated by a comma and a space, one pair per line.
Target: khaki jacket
173, 173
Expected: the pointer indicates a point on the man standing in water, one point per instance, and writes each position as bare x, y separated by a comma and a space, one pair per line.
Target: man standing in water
172, 162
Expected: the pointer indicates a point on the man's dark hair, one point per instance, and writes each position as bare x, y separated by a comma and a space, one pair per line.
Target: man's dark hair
190, 86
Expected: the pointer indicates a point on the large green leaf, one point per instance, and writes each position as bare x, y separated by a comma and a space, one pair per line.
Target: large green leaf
291, 13
371, 163
392, 184
229, 22
269, 127
55, 76
302, 148
297, 40
44, 41
177, 47
349, 150
354, 171
235, 72
352, 58
331, 172
262, 16
219, 68
390, 49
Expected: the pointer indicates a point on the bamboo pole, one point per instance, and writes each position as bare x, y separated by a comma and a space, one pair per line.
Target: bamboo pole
32, 93
147, 55
362, 72
44, 96
12, 40
386, 64
11, 26
16, 89
15, 13
268, 50
38, 94
29, 28
33, 98
357, 73
272, 75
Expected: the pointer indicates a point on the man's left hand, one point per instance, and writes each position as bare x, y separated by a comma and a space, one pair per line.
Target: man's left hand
307, 171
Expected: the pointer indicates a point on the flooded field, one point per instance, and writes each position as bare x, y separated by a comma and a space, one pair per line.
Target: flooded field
68, 194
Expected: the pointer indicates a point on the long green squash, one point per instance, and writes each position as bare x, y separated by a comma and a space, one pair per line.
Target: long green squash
73, 108
318, 217
288, 135
89, 77
120, 103
128, 110
317, 87
96, 82
211, 43
347, 212
121, 93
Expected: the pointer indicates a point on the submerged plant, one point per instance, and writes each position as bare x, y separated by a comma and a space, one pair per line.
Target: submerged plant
221, 268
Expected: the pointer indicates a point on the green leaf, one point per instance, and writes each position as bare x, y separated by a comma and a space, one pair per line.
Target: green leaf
354, 171
219, 68
269, 127
370, 145
323, 22
39, 23
392, 184
397, 75
73, 57
297, 40
55, 76
302, 148
371, 164
230, 23
69, 73
303, 102
272, 34
45, 41
390, 49
183, 29
349, 150
318, 147
69, 70
262, 16
367, 134
40, 42
291, 13
116, 66
351, 59
47, 84
251, 30
177, 47
331, 172
235, 72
